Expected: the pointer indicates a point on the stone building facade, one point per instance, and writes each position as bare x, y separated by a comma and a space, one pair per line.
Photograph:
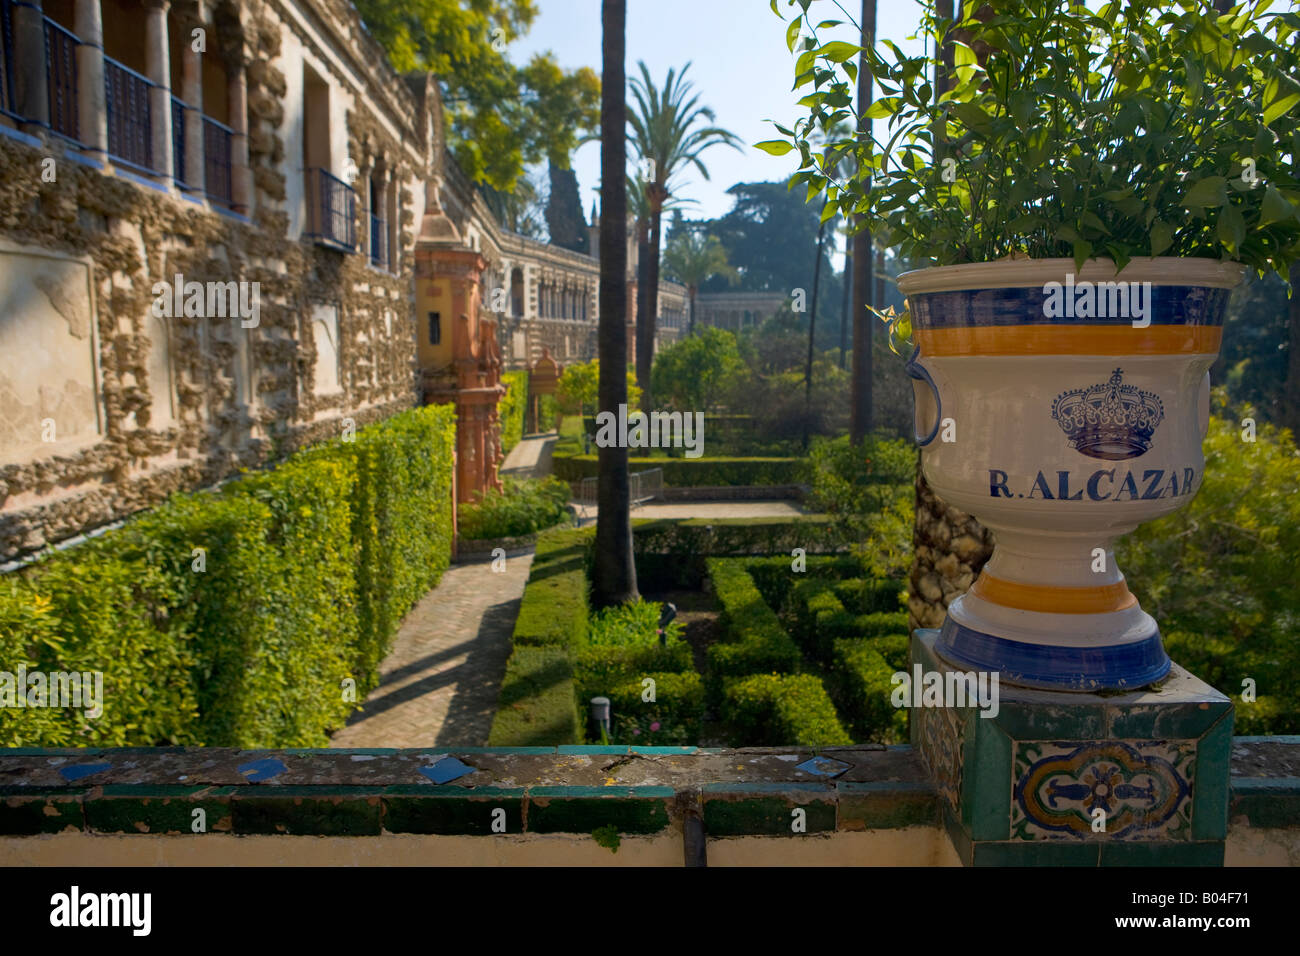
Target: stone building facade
212, 213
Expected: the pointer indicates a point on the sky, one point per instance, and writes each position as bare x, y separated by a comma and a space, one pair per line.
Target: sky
738, 62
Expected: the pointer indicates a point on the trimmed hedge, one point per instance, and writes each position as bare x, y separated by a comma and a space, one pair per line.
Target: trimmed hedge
537, 707
868, 596
554, 610
510, 410
231, 618
671, 553
776, 709
753, 639
677, 709
571, 465
863, 686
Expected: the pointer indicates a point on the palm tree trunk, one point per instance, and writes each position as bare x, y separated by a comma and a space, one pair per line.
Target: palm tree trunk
642, 294
844, 302
860, 403
614, 570
1291, 394
645, 347
812, 330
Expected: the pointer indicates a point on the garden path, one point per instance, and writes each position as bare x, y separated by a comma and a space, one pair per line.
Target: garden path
439, 684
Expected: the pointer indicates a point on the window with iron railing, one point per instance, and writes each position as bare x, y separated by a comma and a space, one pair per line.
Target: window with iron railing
331, 209
7, 104
61, 78
379, 241
218, 176
130, 119
178, 140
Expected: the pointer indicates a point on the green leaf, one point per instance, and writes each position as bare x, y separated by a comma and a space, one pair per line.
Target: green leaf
776, 147
1161, 236
1210, 191
1275, 207
837, 51
1232, 227
1280, 94
792, 32
888, 106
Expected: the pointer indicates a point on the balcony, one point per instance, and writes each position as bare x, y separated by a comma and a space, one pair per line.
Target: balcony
331, 210
61, 77
130, 119
218, 177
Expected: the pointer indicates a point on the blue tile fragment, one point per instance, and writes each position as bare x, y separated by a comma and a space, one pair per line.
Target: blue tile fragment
264, 769
823, 766
446, 770
79, 770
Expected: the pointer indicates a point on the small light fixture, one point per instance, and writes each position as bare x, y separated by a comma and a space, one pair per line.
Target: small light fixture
600, 713
666, 616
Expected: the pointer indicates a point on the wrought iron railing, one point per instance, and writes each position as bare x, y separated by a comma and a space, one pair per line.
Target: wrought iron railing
178, 140
379, 241
218, 176
7, 104
61, 78
331, 209
130, 117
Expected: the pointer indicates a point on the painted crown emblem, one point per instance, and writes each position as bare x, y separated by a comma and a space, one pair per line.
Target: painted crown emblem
1109, 420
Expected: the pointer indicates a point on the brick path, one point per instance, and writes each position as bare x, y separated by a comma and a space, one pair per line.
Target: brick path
439, 684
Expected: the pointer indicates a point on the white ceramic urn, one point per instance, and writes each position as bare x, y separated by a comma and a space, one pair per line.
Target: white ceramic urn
1062, 407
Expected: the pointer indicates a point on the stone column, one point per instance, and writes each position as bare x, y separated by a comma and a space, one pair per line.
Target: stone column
192, 94
241, 175
31, 92
158, 69
92, 100
388, 214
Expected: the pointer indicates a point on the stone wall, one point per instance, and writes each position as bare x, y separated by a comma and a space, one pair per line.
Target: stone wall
105, 407
949, 547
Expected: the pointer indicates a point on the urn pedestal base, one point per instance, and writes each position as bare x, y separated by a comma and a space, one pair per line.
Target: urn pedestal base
1023, 786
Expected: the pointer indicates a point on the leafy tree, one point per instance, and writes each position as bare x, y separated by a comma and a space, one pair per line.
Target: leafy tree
579, 384
501, 117
670, 133
1252, 362
1219, 573
692, 257
522, 209
768, 234
692, 374
564, 219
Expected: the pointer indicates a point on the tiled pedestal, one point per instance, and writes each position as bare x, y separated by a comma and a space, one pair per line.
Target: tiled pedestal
1020, 788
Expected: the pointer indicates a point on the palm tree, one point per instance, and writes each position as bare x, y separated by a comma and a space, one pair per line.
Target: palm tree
693, 258
638, 202
614, 571
669, 132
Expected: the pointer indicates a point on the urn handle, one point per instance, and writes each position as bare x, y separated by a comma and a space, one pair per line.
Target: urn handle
919, 373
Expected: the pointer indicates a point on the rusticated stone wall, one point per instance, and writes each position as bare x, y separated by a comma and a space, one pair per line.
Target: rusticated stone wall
949, 547
181, 402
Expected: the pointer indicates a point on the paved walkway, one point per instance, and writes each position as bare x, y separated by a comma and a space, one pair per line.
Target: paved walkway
531, 458
439, 684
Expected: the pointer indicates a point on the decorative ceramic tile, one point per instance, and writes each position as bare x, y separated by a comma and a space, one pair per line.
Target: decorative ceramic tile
1144, 787
942, 744
823, 766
